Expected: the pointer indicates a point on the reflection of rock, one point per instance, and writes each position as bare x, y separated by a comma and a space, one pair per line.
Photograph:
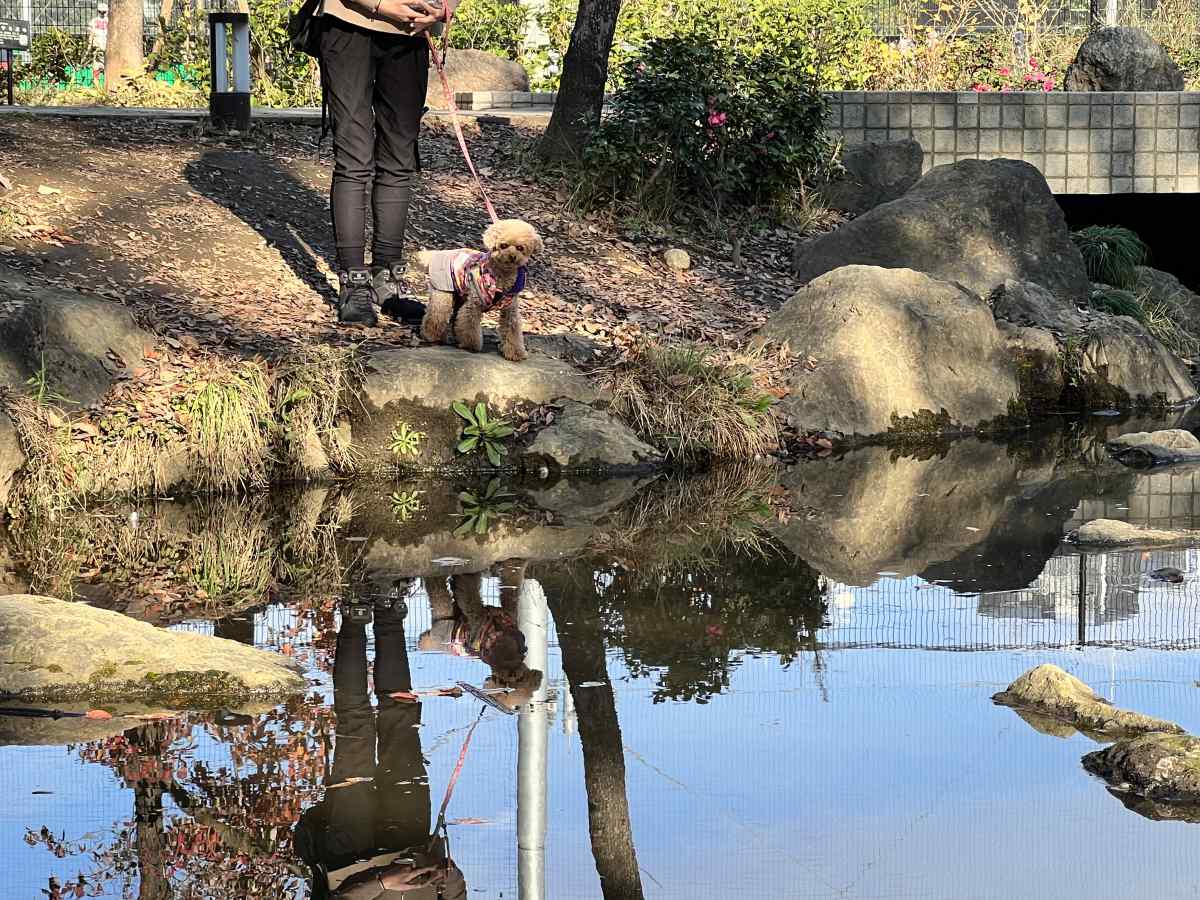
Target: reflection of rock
580, 501
872, 511
31, 732
1049, 691
1112, 533
1155, 448
1047, 725
1158, 767
54, 650
1158, 810
894, 349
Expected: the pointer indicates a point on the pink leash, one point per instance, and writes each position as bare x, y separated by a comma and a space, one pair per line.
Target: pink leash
439, 62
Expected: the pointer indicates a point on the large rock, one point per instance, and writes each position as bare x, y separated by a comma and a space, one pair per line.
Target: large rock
893, 348
1183, 305
584, 438
1155, 448
1031, 305
1049, 691
416, 387
52, 650
475, 70
73, 343
874, 174
1160, 768
1119, 363
976, 222
1038, 358
1123, 59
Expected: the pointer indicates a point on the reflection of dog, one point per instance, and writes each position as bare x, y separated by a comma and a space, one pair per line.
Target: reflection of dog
464, 284
464, 626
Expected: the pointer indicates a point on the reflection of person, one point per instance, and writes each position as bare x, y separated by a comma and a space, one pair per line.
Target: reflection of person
464, 626
368, 839
375, 71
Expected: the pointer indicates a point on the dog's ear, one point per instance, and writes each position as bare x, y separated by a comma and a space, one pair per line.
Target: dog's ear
491, 237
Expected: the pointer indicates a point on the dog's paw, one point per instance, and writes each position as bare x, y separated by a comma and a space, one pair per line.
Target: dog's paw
516, 356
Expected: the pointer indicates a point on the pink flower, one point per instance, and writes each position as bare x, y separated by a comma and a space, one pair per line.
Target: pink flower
770, 136
1005, 72
1033, 63
716, 119
981, 88
1029, 79
1048, 85
1005, 90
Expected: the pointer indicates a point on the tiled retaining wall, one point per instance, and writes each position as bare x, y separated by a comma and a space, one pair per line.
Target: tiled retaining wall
1084, 143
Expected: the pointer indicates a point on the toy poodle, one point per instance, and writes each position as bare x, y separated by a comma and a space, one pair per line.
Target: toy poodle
465, 283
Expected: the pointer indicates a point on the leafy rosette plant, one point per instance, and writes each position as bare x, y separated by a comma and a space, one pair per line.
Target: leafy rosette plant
481, 432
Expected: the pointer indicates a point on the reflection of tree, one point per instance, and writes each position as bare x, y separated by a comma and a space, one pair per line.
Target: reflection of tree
584, 663
690, 624
233, 836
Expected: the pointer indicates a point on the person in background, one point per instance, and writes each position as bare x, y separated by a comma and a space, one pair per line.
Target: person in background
375, 71
369, 837
98, 38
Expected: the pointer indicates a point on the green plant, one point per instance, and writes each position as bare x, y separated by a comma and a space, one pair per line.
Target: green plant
307, 392
406, 441
691, 404
494, 26
1117, 302
405, 504
228, 415
55, 53
1160, 320
39, 385
482, 433
1112, 254
707, 131
479, 512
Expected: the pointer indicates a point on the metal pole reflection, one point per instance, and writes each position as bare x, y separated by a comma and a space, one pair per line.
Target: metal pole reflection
532, 738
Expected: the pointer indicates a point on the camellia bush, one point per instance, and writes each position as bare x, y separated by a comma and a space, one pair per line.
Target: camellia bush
700, 129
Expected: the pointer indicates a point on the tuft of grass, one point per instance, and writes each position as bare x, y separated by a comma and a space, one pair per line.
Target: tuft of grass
1117, 302
232, 551
1112, 254
1160, 321
228, 421
307, 396
692, 405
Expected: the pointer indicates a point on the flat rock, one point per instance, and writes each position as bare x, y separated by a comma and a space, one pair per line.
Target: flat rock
1049, 691
1161, 768
1123, 59
54, 650
1114, 533
584, 438
1155, 448
977, 223
891, 345
76, 343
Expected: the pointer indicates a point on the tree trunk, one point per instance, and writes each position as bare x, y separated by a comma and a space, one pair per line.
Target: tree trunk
166, 12
585, 72
124, 54
583, 660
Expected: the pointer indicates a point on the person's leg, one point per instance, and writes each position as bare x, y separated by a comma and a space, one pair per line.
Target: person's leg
348, 72
403, 76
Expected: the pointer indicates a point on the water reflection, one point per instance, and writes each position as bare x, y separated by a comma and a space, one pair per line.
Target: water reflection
721, 655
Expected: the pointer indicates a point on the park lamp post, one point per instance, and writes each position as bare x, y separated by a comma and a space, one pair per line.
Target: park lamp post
229, 102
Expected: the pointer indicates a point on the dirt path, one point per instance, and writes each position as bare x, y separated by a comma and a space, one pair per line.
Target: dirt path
228, 240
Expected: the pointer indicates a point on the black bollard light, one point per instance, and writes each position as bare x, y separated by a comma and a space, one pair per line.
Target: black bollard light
229, 103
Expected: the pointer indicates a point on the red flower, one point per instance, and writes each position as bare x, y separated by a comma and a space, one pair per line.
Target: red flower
981, 88
1005, 72
716, 119
1048, 85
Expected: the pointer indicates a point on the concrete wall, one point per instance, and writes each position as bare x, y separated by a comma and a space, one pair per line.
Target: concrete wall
1084, 143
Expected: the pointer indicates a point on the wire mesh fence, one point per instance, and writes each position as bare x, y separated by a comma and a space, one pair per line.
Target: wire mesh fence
895, 18
75, 16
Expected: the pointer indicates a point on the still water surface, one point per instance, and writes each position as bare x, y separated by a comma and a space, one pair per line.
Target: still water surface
713, 721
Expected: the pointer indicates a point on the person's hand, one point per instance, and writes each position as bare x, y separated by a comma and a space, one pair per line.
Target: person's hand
409, 879
418, 14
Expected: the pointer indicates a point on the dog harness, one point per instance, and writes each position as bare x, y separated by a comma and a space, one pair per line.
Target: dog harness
466, 273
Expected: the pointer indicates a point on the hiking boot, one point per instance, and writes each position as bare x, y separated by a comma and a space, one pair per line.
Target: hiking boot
394, 298
356, 299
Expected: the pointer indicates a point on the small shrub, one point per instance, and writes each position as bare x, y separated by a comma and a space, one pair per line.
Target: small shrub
703, 131
55, 54
406, 441
1117, 302
691, 405
482, 433
1112, 254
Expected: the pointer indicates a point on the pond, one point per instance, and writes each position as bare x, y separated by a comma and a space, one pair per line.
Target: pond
757, 684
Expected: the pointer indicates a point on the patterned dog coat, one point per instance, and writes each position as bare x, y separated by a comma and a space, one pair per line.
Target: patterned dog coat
466, 273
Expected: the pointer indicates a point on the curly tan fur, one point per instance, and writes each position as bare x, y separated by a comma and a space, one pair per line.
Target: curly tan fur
511, 244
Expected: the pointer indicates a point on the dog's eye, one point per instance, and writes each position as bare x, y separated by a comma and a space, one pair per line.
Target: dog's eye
520, 248
504, 246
